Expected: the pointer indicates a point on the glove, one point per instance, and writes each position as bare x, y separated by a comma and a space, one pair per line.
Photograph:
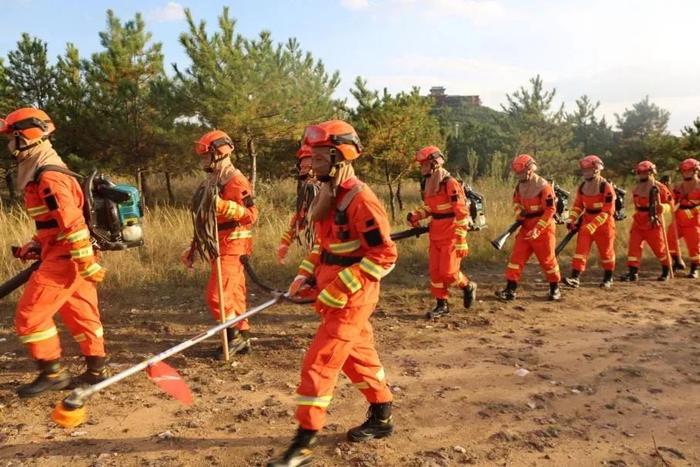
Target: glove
91, 271
413, 219
229, 209
27, 252
462, 249
570, 225
299, 281
534, 234
282, 250
187, 257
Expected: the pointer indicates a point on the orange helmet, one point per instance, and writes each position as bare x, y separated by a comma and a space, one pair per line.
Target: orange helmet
522, 162
428, 153
591, 162
334, 133
211, 141
304, 151
689, 164
645, 166
28, 122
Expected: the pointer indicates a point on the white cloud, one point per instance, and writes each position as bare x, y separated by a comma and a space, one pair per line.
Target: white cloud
173, 11
355, 5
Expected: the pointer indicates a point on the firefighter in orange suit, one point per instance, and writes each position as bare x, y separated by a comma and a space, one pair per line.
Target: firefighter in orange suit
593, 215
65, 281
535, 204
651, 200
447, 206
297, 224
235, 214
354, 253
686, 221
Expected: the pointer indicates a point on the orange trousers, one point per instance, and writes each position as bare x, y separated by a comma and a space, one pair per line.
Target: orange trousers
604, 238
655, 240
233, 276
691, 235
56, 287
542, 247
444, 265
344, 342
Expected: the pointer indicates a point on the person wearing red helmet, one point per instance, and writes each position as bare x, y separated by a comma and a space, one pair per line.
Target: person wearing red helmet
447, 206
66, 280
535, 204
354, 253
235, 215
651, 199
593, 212
686, 220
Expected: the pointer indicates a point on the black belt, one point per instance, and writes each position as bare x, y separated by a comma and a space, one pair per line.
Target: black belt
50, 224
532, 215
593, 211
228, 225
337, 260
443, 215
642, 209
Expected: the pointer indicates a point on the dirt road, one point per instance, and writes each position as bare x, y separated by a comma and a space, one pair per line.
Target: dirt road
611, 379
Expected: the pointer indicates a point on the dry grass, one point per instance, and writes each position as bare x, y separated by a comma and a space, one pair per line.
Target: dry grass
168, 231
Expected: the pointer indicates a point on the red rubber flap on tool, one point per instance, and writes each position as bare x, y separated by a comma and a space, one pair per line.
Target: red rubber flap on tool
169, 380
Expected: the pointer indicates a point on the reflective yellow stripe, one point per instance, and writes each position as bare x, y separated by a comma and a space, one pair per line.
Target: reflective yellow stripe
99, 332
580, 256
632, 258
380, 374
322, 401
345, 247
361, 385
238, 234
542, 223
601, 218
462, 246
316, 249
39, 335
460, 281
82, 234
437, 285
534, 208
597, 205
92, 269
513, 266
79, 337
460, 232
307, 266
443, 206
694, 258
37, 210
373, 269
327, 299
552, 271
462, 222
608, 261
81, 253
349, 279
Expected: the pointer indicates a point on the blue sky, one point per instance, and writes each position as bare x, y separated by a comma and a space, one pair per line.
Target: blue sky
616, 51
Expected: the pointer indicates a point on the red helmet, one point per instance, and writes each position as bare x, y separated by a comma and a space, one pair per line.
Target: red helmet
304, 151
212, 141
428, 153
689, 164
645, 166
28, 122
591, 162
522, 162
334, 133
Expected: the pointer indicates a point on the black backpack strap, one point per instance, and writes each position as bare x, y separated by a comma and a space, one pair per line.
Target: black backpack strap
580, 188
55, 168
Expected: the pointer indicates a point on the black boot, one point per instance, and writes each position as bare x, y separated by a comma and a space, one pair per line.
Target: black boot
96, 372
469, 294
238, 342
441, 309
665, 273
299, 452
631, 276
573, 281
693, 274
678, 264
509, 292
52, 377
378, 425
554, 292
607, 280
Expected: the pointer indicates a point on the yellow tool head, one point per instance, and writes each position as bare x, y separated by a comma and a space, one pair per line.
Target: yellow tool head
66, 417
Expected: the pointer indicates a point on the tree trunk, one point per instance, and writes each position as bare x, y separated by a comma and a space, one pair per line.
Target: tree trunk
168, 185
10, 182
253, 162
144, 188
389, 185
398, 195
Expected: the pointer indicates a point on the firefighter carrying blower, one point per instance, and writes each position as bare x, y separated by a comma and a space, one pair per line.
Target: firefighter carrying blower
65, 281
235, 215
686, 221
593, 217
447, 206
535, 204
354, 252
651, 200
